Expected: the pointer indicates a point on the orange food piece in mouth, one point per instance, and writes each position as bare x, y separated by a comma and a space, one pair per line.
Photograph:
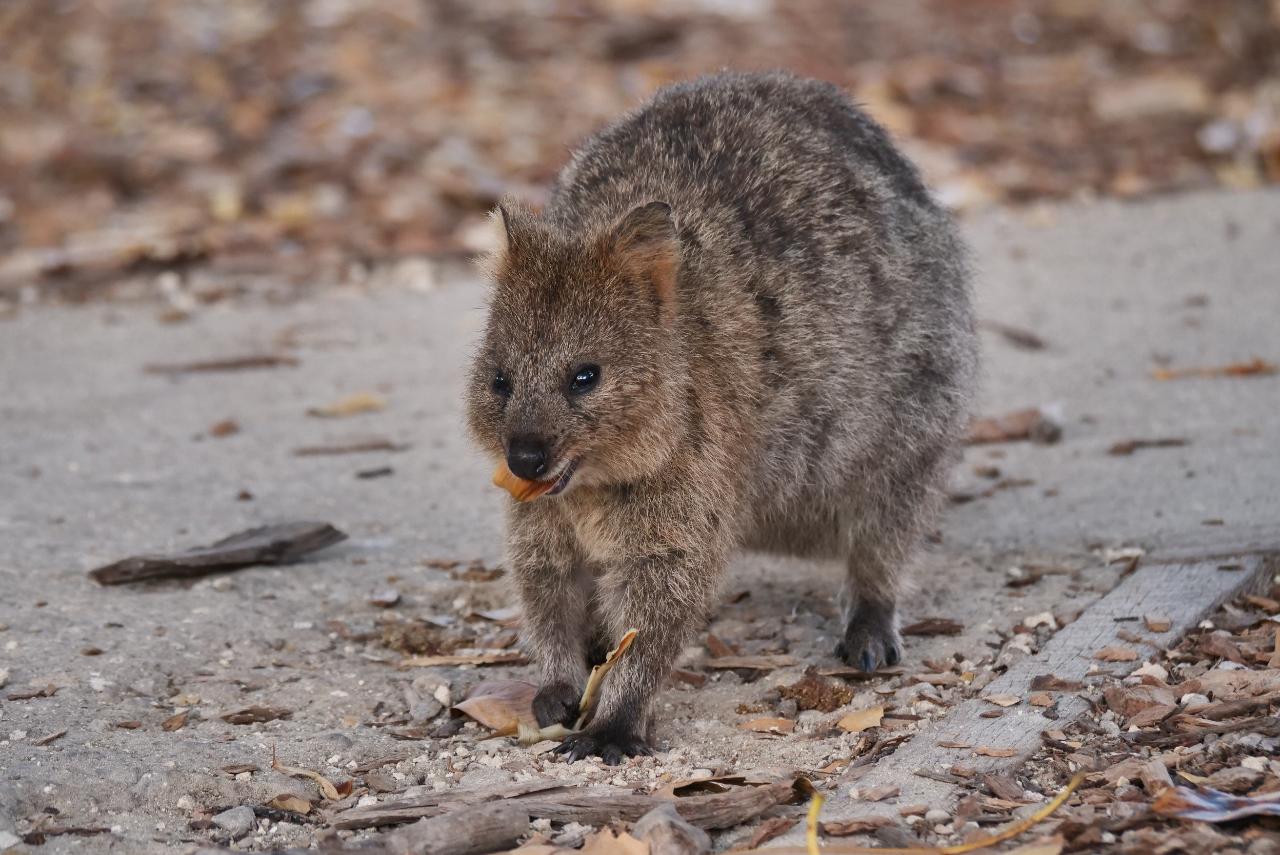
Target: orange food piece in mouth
520, 489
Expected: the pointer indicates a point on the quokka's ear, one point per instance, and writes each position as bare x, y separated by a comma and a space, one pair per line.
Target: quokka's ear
506, 223
647, 242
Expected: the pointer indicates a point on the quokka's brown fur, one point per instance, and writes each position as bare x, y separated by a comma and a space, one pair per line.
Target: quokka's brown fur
778, 320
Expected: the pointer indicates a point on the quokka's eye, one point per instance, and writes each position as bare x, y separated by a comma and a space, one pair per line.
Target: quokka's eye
584, 379
500, 384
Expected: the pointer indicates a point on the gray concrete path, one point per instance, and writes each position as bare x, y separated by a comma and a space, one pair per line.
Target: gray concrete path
100, 459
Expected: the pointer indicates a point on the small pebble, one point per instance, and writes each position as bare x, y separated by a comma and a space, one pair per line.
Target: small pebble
236, 822
936, 816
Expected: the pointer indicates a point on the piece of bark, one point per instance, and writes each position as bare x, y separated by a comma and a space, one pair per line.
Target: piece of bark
473, 830
668, 834
359, 446
586, 805
274, 544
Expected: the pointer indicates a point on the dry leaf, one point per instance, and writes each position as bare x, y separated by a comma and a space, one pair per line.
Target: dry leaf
496, 657
750, 663
327, 789
951, 743
934, 626
989, 751
256, 714
501, 705
1041, 699
288, 801
606, 841
1255, 367
879, 794
1003, 700
856, 722
175, 722
1031, 423
769, 725
845, 828
719, 647
1128, 446
1157, 623
771, 828
360, 402
234, 363
1116, 654
1048, 682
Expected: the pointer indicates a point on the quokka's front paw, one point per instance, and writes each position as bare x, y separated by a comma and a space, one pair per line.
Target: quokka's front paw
610, 744
556, 703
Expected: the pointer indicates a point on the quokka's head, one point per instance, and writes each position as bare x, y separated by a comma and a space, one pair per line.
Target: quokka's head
576, 380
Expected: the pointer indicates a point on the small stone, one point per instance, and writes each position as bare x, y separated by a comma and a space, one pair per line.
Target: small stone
236, 822
8, 840
936, 816
185, 803
1193, 699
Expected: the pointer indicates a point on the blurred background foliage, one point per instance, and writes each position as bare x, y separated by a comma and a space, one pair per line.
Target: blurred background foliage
329, 135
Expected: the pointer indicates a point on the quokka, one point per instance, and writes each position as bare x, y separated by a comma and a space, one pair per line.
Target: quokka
739, 322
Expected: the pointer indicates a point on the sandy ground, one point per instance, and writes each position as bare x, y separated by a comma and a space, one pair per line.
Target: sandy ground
100, 459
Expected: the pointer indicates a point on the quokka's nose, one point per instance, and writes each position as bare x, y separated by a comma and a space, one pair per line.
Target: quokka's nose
527, 457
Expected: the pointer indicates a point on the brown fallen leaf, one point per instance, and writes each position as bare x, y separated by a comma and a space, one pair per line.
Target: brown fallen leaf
689, 678
131, 724
497, 657
327, 788
1040, 699
991, 714
815, 692
240, 768
362, 446
53, 737
771, 828
1003, 700
951, 743
290, 802
990, 751
226, 427
860, 720
1157, 623
934, 626
1016, 336
176, 721
751, 663
769, 725
1032, 423
1127, 447
351, 405
1255, 367
1048, 682
606, 841
1113, 653
849, 827
718, 647
28, 694
256, 714
879, 794
501, 705
234, 363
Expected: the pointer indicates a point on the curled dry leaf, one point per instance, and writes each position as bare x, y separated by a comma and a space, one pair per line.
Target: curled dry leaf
256, 714
288, 801
1003, 700
501, 705
991, 751
777, 726
860, 720
327, 788
529, 734
176, 721
360, 402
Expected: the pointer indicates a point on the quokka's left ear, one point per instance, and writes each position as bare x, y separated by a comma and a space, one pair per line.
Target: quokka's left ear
508, 225
646, 241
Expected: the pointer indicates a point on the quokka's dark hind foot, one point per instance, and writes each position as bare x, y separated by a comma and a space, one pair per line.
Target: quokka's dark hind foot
871, 638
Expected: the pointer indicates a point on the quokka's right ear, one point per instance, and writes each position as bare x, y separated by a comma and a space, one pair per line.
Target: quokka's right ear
506, 234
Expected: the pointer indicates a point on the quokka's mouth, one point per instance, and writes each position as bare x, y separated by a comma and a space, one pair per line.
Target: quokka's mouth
562, 481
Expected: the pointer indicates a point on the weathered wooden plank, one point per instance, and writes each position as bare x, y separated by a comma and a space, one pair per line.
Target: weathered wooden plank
1184, 593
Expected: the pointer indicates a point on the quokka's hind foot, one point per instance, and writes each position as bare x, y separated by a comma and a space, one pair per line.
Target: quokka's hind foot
871, 638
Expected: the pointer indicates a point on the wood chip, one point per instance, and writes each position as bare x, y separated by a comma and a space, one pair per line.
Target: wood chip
234, 363
1157, 623
879, 794
771, 828
256, 714
1048, 682
274, 544
1003, 700
1040, 699
1127, 447
176, 721
362, 446
848, 827
53, 737
751, 663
